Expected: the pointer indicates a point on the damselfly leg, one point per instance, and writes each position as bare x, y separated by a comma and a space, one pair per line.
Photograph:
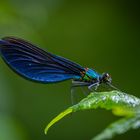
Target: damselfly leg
75, 85
95, 85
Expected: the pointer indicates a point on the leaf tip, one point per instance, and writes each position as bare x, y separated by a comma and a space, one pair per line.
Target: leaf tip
46, 130
57, 118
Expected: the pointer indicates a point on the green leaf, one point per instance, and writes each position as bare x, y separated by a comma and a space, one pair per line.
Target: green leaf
119, 127
120, 103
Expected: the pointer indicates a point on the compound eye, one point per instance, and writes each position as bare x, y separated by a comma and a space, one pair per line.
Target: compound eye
107, 75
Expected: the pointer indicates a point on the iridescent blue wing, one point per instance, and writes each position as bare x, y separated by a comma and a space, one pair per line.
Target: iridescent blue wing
36, 64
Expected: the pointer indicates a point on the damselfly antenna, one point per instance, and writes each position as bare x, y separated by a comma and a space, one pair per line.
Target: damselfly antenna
113, 86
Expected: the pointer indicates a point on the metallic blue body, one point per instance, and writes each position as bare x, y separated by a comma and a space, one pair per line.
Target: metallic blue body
93, 74
90, 74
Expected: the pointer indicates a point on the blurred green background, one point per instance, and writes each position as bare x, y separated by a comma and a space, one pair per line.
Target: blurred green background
96, 34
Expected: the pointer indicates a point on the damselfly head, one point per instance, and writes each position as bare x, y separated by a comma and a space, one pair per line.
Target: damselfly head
106, 78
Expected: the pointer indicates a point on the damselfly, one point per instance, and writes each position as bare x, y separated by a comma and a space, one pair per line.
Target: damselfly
38, 65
